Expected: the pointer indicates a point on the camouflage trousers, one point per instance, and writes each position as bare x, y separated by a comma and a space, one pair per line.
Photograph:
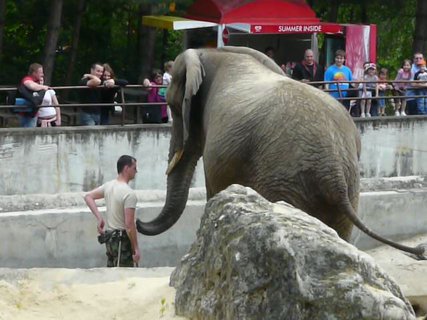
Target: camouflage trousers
113, 245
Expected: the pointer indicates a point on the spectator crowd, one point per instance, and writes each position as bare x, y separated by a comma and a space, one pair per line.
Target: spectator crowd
364, 97
37, 103
407, 93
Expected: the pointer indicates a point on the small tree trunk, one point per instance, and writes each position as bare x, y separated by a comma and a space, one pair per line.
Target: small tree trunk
333, 11
54, 26
364, 12
147, 37
2, 22
81, 9
420, 36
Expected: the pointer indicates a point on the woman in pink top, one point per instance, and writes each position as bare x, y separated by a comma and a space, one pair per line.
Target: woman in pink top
154, 93
400, 87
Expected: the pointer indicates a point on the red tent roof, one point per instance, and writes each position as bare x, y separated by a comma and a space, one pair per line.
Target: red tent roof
252, 11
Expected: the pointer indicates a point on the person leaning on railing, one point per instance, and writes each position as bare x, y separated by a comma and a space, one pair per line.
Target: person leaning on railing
91, 115
400, 87
109, 94
421, 84
48, 115
412, 90
341, 74
383, 87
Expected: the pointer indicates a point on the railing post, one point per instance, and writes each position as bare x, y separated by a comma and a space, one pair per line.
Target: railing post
122, 95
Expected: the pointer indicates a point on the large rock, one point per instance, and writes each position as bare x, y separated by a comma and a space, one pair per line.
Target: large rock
257, 260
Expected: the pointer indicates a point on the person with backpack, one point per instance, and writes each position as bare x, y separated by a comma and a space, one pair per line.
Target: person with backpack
33, 91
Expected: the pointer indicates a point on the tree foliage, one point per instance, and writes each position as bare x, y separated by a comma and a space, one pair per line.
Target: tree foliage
111, 31
395, 20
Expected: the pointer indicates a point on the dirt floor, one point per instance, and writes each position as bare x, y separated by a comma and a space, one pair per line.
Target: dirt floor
100, 293
128, 293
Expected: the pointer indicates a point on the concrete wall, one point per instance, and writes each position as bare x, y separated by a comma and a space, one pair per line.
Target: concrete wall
67, 237
393, 146
73, 159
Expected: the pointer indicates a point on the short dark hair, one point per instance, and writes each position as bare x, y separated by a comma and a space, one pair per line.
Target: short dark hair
123, 161
340, 52
34, 67
93, 65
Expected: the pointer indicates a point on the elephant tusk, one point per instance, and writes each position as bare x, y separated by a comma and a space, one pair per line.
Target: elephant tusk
176, 157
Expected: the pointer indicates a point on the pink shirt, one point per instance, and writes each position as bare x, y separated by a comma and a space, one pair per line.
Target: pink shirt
153, 96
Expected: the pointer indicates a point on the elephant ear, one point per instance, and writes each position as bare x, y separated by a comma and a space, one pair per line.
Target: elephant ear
187, 78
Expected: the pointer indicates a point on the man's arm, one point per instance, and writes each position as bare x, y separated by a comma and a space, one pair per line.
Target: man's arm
90, 198
34, 86
91, 80
131, 232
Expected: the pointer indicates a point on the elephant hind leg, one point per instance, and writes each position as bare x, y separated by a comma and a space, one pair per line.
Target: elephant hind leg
332, 216
343, 227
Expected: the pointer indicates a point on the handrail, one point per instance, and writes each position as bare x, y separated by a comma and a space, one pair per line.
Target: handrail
354, 86
121, 91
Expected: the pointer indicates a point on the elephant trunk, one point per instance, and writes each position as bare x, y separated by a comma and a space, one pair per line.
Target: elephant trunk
178, 184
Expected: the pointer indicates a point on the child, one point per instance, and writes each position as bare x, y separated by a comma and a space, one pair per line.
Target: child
167, 78
367, 88
400, 87
155, 96
383, 86
422, 77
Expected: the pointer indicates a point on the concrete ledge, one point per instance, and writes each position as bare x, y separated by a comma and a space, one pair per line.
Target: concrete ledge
67, 237
24, 202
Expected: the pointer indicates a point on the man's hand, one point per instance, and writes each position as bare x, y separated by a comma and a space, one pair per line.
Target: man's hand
136, 256
101, 225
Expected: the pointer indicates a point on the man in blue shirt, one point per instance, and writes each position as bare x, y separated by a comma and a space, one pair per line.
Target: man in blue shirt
411, 102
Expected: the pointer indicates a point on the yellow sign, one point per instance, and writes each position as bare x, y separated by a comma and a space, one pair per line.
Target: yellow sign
174, 23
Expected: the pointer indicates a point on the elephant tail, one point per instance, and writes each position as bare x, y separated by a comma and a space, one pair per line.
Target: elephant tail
419, 251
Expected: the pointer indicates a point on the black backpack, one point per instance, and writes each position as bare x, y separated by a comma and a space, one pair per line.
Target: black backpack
33, 100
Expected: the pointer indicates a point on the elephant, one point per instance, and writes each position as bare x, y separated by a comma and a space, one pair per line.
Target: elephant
256, 127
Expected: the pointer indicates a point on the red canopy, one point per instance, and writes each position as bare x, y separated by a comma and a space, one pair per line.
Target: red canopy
253, 12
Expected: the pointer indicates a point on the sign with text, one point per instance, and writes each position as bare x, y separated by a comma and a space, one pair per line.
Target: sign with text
297, 28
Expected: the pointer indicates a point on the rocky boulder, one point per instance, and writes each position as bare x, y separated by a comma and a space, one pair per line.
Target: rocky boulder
254, 259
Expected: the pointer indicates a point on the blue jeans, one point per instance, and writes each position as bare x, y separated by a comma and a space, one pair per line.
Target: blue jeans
422, 102
27, 122
381, 102
89, 119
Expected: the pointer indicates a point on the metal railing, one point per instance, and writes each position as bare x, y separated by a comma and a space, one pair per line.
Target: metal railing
121, 92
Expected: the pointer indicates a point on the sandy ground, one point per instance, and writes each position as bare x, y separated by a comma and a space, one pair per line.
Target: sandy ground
86, 294
409, 274
127, 293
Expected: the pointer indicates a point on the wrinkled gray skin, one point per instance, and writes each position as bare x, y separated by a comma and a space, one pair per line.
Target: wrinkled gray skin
258, 128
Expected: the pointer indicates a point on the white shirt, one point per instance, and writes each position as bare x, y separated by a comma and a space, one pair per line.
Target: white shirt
118, 196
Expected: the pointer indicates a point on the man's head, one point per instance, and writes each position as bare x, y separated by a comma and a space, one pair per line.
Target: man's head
126, 165
36, 71
97, 69
418, 59
269, 51
309, 57
339, 57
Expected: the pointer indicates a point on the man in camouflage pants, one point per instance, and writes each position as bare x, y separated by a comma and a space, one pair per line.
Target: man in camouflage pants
120, 235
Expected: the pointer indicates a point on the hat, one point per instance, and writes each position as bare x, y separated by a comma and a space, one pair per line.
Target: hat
370, 66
